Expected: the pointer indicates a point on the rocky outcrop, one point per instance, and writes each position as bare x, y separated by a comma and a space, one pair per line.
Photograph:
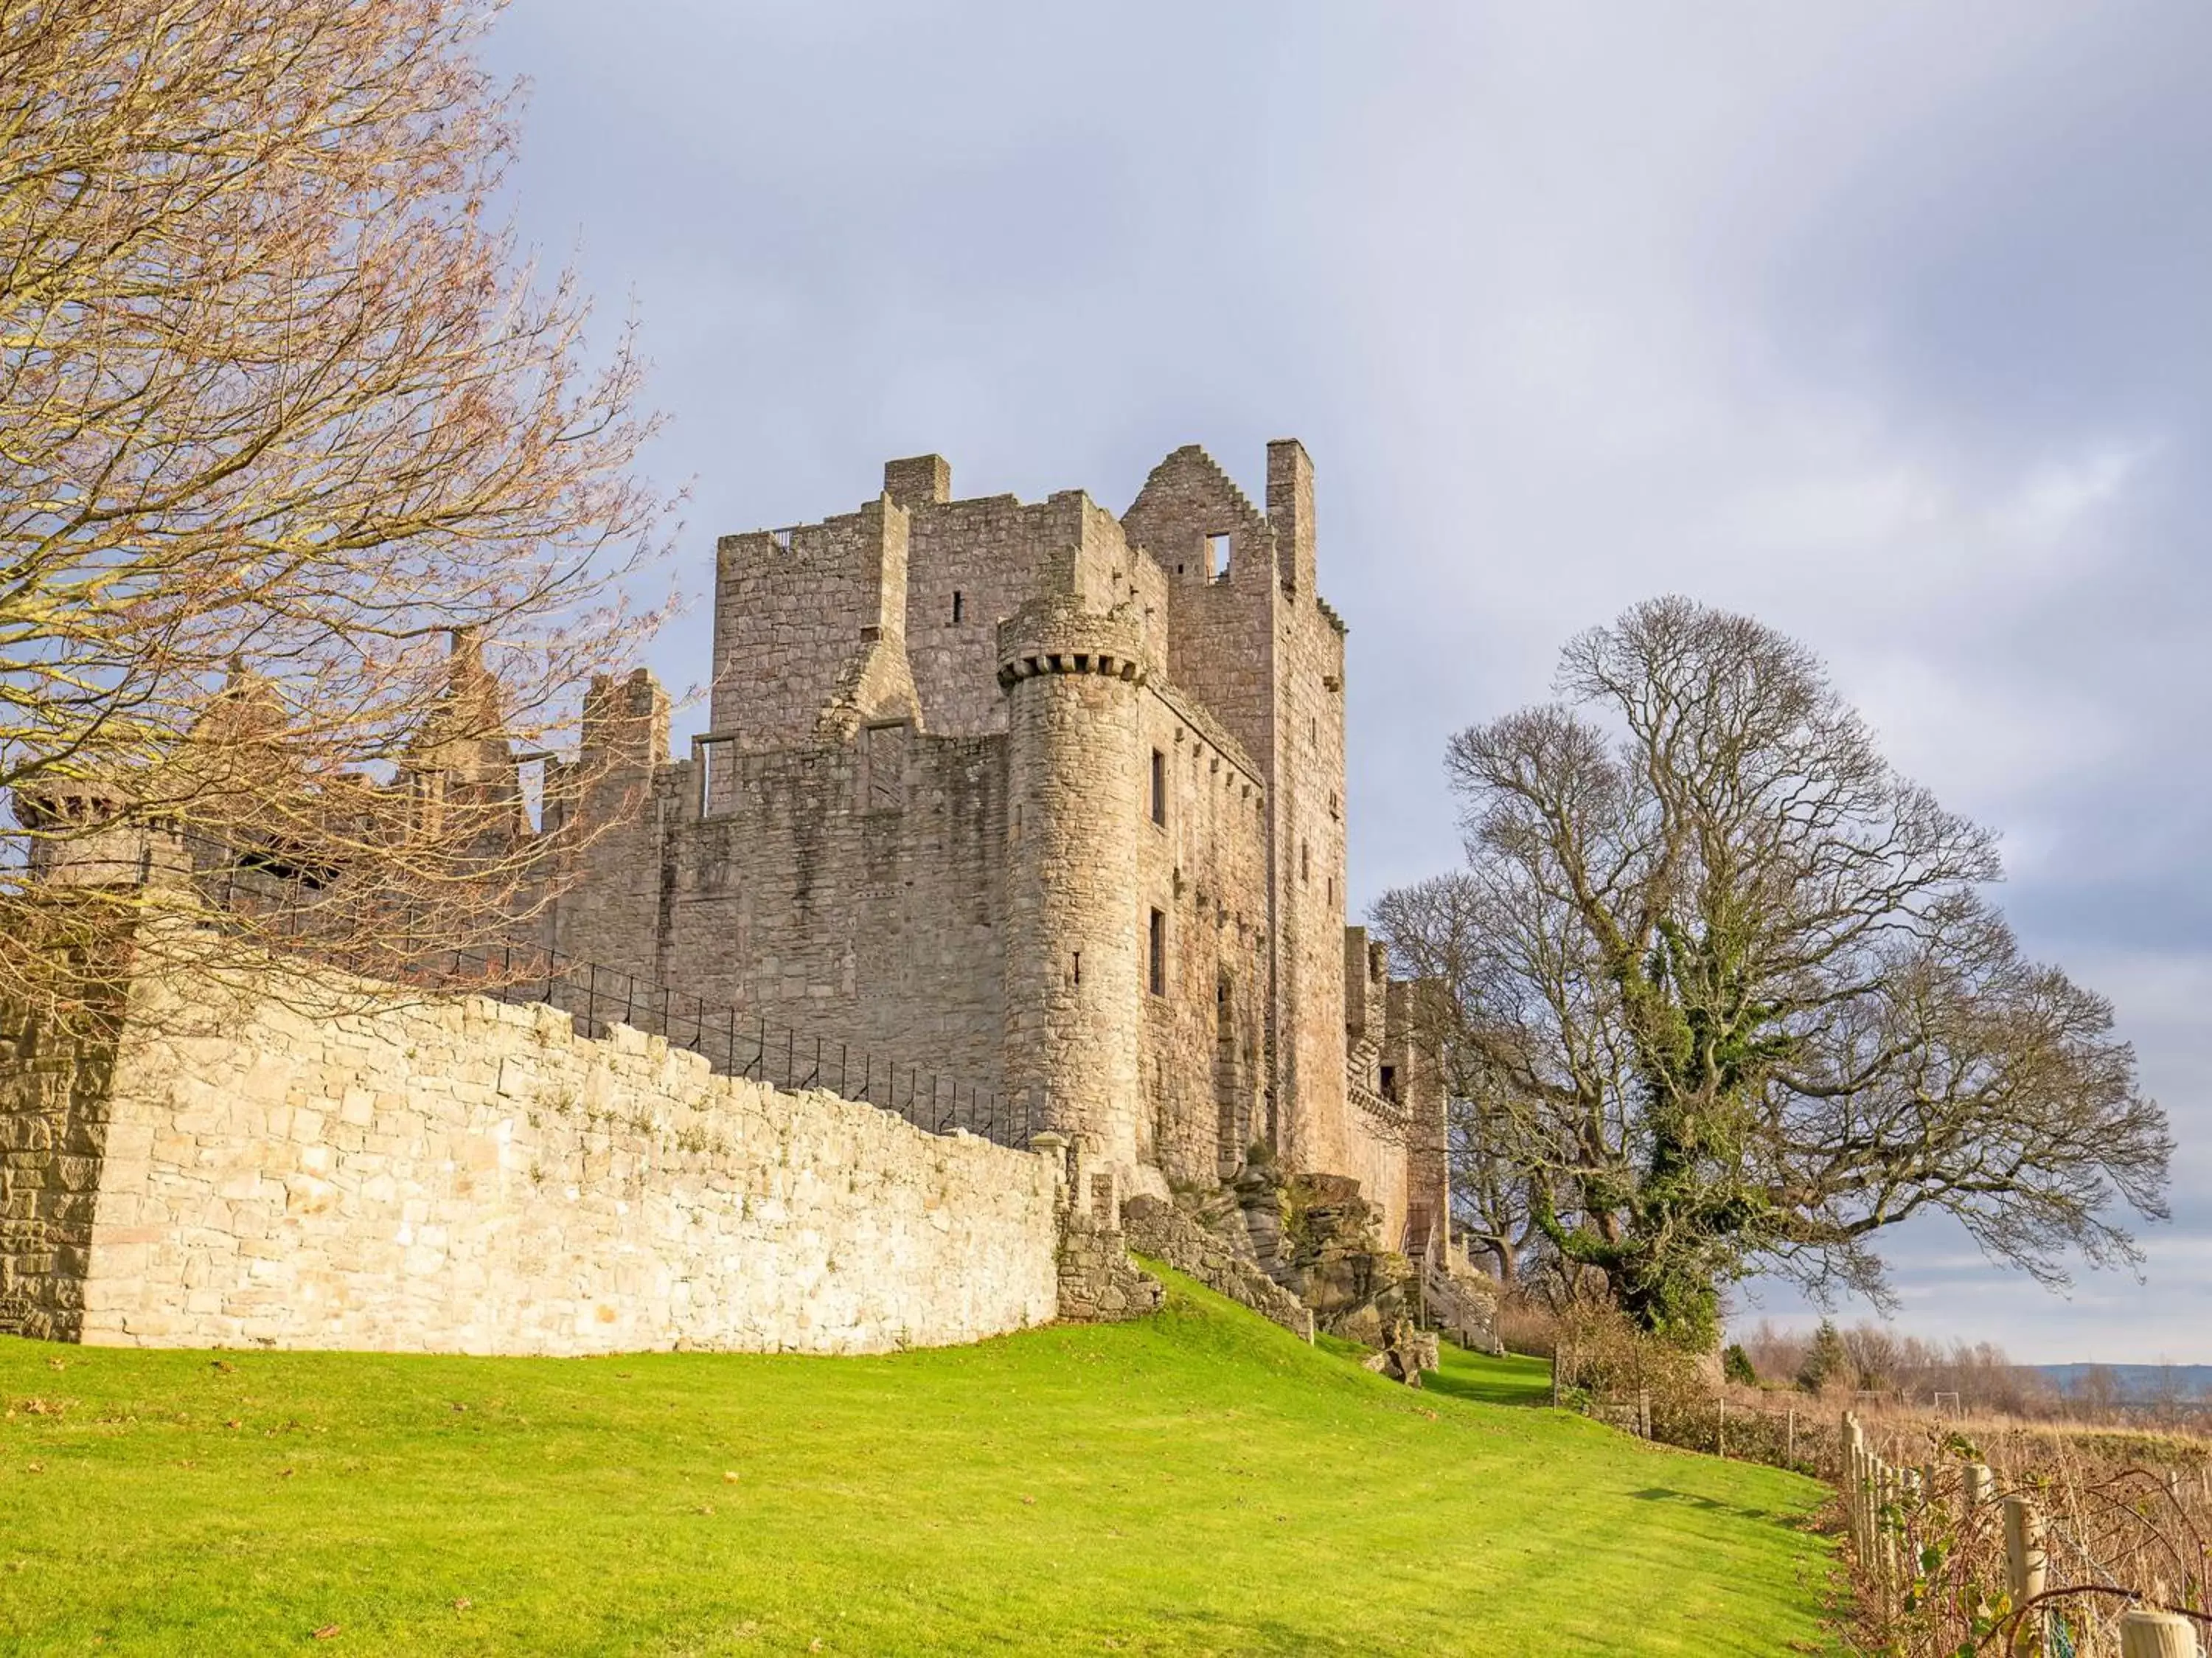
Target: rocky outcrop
1211, 1254
1314, 1235
1404, 1353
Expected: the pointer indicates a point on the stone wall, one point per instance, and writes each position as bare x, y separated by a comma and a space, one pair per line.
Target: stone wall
850, 892
470, 1177
1203, 865
54, 1135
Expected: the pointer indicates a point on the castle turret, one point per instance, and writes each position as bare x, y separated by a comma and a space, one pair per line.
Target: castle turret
1079, 945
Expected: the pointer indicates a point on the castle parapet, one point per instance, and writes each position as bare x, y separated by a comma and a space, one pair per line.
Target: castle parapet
1054, 636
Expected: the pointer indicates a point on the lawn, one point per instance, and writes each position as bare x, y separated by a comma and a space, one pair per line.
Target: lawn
1197, 1483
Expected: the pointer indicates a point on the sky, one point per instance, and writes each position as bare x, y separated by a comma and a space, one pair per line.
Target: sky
1891, 325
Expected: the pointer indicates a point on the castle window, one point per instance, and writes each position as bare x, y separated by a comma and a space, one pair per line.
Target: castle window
1156, 954
959, 606
1159, 788
1077, 976
1216, 556
1306, 861
1390, 1082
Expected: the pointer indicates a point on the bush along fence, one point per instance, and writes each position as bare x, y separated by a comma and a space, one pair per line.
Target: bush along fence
1954, 1557
1604, 1370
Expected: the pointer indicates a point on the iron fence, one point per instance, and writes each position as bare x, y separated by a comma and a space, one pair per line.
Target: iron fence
255, 896
734, 1043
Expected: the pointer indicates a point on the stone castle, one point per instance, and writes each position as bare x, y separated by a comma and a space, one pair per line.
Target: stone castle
1045, 800
1041, 797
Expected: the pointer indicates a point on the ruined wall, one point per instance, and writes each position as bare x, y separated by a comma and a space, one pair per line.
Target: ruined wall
1309, 830
804, 614
608, 818
470, 1177
1415, 1055
1254, 643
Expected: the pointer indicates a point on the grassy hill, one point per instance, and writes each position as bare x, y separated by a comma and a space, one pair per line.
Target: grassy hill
1197, 1483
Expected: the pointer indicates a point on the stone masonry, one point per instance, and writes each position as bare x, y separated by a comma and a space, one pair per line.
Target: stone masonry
466, 1176
1046, 799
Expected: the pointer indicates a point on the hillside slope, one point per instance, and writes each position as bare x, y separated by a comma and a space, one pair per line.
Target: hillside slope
1197, 1483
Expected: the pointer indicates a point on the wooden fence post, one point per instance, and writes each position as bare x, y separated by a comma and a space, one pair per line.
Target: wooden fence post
2156, 1635
2026, 1565
1790, 1437
1720, 1427
1979, 1485
1885, 1498
1855, 1485
1910, 1485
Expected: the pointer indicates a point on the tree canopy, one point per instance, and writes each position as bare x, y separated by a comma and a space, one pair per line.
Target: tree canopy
1730, 996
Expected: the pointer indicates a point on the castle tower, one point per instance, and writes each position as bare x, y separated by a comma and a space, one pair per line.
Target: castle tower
1077, 946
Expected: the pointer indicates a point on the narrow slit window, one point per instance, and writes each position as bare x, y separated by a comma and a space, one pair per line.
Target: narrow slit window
1159, 788
1156, 954
1077, 976
959, 607
1390, 1082
1306, 861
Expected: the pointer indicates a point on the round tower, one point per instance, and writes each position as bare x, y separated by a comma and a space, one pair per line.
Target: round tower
1076, 943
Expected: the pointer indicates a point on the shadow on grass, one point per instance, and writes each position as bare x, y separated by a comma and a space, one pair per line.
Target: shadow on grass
1668, 1494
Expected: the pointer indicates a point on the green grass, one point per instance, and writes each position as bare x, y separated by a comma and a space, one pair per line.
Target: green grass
1196, 1483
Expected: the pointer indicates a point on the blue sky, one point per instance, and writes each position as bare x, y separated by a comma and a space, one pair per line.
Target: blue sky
1890, 324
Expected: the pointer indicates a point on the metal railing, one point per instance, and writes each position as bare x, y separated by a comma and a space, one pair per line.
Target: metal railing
737, 1044
734, 1043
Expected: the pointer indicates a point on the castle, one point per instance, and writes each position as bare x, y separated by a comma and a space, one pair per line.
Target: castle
1044, 798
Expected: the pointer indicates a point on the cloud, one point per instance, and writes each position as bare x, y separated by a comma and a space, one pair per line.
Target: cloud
1883, 322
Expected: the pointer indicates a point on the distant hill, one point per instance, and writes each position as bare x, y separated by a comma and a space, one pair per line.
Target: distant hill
2138, 1383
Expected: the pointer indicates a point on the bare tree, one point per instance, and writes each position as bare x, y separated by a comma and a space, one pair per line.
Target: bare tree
2097, 1392
314, 511
1741, 1001
1433, 929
